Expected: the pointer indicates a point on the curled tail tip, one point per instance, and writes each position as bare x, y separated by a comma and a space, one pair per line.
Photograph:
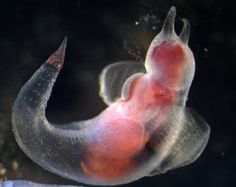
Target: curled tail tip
57, 58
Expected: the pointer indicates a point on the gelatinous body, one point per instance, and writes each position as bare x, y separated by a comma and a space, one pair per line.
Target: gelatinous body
146, 129
22, 183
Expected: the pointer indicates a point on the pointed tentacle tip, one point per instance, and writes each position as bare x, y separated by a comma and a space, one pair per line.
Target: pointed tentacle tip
184, 35
57, 58
168, 26
172, 10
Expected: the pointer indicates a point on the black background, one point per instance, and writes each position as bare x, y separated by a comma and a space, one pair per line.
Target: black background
101, 32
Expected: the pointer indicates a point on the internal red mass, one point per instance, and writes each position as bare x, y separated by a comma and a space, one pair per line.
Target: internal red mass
121, 134
169, 52
168, 58
112, 154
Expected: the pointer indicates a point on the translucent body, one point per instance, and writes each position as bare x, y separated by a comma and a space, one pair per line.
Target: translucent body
22, 183
146, 129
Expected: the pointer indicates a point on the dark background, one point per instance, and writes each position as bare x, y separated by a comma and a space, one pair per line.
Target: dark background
101, 32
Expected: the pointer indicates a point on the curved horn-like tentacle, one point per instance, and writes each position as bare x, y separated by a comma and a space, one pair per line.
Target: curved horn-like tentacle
184, 35
40, 140
168, 26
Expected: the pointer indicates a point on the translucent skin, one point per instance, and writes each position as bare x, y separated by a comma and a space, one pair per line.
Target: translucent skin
145, 130
23, 183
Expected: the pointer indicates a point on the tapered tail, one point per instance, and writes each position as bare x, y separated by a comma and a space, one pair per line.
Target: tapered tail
51, 146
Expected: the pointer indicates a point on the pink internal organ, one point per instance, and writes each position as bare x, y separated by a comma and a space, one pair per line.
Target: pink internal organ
122, 135
168, 58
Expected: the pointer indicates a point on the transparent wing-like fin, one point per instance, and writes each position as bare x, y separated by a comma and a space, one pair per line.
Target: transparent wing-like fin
192, 139
128, 85
114, 76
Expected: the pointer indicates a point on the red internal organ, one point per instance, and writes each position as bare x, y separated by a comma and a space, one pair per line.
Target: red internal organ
121, 134
111, 156
168, 58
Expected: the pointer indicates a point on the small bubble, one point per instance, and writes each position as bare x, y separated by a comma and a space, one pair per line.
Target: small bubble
205, 49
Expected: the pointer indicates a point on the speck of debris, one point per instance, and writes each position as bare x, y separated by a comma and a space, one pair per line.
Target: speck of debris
15, 165
3, 170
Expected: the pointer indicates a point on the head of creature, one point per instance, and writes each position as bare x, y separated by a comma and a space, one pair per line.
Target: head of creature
169, 59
